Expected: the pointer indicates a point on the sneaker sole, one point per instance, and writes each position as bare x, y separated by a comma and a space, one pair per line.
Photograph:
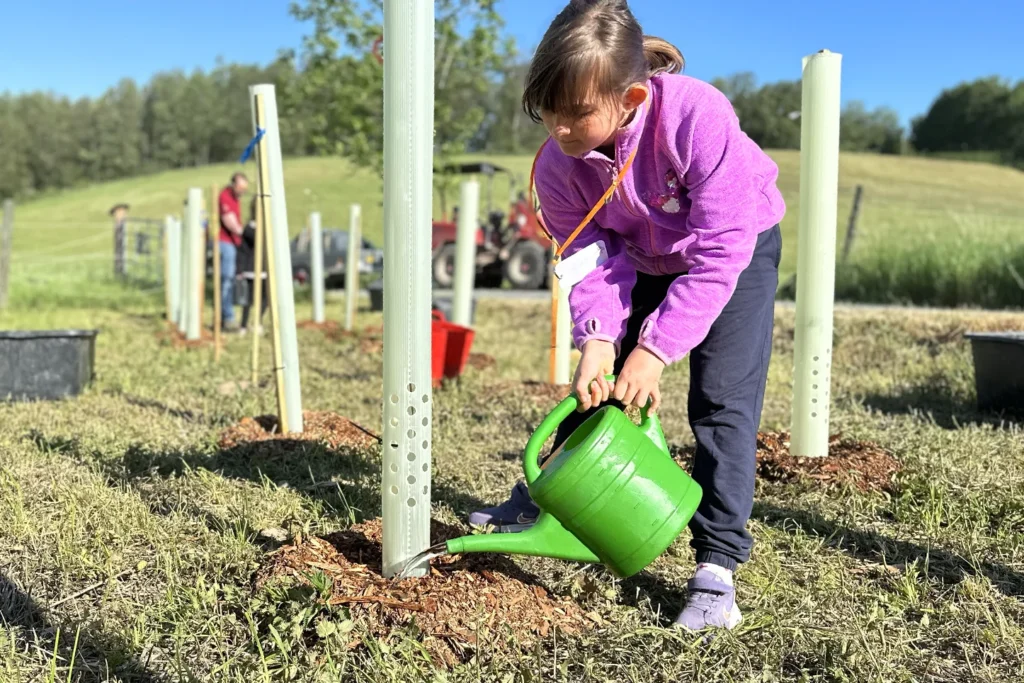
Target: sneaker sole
734, 619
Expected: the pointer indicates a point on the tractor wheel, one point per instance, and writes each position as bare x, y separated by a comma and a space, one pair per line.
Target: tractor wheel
444, 267
526, 267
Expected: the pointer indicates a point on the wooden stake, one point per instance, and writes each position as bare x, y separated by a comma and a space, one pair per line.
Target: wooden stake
553, 355
257, 294
271, 269
217, 294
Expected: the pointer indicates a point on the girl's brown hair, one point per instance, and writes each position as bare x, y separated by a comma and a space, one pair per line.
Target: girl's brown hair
593, 48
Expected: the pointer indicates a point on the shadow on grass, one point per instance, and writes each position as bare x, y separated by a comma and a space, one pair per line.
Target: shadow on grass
93, 659
942, 565
949, 408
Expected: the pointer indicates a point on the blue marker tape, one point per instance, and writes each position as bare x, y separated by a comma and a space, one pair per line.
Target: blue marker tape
252, 145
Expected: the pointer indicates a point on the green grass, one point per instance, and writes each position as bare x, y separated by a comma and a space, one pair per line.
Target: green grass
925, 584
931, 231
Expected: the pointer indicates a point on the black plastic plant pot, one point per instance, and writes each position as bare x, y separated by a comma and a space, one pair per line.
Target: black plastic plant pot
999, 370
376, 295
45, 364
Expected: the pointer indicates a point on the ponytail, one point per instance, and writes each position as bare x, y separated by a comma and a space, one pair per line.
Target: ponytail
662, 56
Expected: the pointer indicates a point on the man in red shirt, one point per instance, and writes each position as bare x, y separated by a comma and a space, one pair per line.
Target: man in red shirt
230, 239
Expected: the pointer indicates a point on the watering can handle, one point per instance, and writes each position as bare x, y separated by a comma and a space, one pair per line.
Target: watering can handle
649, 425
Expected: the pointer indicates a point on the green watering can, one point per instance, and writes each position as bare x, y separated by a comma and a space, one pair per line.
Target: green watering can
612, 494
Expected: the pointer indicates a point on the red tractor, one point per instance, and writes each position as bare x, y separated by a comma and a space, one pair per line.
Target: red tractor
509, 246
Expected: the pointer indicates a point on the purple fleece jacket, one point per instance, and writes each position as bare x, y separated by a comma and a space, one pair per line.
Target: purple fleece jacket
694, 201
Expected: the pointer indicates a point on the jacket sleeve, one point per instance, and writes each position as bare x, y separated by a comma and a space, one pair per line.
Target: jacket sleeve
720, 181
600, 303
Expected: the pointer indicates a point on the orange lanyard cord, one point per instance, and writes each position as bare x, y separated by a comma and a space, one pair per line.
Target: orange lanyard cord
605, 198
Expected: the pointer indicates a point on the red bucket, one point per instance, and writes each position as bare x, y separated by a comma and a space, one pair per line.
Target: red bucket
451, 346
438, 346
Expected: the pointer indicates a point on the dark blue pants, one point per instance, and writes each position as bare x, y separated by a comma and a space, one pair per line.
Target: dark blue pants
728, 371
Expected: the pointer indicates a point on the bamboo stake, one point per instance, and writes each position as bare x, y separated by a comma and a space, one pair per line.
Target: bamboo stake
271, 268
257, 293
217, 293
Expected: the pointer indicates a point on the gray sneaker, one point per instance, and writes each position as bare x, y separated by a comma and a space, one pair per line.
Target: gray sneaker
518, 513
711, 603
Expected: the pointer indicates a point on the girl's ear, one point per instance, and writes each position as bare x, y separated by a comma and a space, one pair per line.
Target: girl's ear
635, 96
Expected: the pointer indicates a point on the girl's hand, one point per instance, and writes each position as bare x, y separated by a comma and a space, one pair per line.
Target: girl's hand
639, 380
590, 384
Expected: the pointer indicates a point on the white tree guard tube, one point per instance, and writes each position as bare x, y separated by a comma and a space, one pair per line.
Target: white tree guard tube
355, 237
271, 146
408, 168
316, 266
465, 253
172, 238
816, 253
196, 262
563, 332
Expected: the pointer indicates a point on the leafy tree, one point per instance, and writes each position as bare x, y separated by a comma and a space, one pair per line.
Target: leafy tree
506, 128
341, 82
982, 115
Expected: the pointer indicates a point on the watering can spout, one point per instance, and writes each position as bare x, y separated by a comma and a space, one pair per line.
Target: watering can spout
547, 538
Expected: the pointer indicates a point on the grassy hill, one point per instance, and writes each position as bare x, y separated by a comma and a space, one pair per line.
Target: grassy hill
930, 230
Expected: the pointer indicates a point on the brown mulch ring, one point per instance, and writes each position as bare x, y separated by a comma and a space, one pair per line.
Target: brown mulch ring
369, 332
333, 430
178, 340
325, 326
481, 361
863, 464
461, 600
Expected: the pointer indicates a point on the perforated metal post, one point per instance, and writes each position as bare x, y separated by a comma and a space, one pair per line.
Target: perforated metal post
408, 168
172, 240
316, 266
465, 253
355, 236
277, 232
816, 253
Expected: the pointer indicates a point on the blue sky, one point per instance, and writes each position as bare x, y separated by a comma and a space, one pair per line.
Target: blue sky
899, 53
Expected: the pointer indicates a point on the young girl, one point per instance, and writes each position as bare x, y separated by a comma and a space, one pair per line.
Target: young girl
692, 246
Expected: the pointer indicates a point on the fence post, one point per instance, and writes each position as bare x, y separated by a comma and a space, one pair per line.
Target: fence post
120, 248
851, 225
6, 238
316, 265
465, 253
816, 253
279, 260
408, 169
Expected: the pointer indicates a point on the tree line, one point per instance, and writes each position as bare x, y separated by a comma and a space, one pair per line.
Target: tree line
330, 101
